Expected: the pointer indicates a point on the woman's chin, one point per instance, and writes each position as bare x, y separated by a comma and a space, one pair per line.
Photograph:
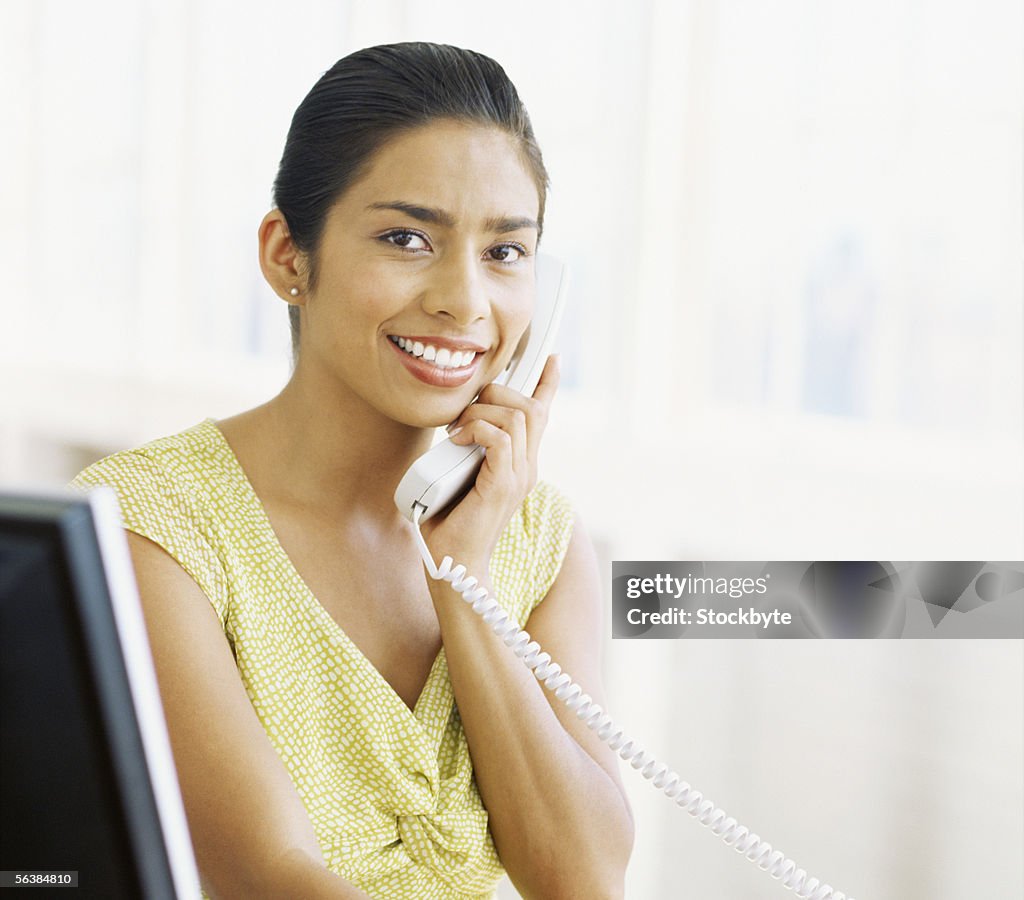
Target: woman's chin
431, 418
434, 412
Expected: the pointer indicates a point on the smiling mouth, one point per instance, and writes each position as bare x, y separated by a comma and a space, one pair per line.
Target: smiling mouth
440, 358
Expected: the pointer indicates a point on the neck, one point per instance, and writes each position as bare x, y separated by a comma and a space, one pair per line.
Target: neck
333, 453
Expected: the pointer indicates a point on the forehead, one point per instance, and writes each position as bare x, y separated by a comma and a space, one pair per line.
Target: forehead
472, 171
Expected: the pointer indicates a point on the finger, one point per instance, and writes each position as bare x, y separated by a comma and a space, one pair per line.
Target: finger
512, 421
544, 393
495, 411
498, 470
536, 407
549, 379
500, 415
525, 421
503, 395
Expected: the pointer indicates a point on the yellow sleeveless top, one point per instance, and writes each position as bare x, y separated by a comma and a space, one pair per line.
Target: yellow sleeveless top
390, 791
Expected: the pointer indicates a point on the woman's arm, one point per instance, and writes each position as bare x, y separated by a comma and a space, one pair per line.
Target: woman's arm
558, 814
251, 833
557, 811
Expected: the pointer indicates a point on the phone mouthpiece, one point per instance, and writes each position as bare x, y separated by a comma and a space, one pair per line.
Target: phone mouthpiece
438, 478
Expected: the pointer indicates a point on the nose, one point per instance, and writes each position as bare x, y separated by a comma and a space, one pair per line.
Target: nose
457, 290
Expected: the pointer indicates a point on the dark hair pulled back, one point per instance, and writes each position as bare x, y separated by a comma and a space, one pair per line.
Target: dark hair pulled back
369, 97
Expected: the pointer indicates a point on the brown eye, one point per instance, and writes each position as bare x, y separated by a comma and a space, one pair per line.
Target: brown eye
506, 253
405, 239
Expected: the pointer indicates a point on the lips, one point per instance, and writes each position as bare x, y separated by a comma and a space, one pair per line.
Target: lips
454, 363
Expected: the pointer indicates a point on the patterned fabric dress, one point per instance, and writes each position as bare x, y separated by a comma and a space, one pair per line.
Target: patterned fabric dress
390, 791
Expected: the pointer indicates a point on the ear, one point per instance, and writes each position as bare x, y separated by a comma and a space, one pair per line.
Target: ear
283, 264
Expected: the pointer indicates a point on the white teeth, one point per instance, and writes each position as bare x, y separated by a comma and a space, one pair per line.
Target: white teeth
443, 358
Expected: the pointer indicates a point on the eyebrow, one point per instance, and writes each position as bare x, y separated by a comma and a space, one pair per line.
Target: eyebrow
433, 216
502, 225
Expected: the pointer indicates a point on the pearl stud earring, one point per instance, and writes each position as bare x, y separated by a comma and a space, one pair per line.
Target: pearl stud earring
294, 292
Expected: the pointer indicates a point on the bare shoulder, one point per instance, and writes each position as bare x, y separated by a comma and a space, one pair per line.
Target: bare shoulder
573, 604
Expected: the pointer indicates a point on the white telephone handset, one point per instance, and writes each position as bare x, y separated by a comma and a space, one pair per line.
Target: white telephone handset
446, 470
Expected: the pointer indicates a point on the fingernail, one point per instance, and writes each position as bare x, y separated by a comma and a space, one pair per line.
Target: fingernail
455, 431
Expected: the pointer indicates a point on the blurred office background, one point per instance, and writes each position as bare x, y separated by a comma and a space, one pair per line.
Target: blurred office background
796, 332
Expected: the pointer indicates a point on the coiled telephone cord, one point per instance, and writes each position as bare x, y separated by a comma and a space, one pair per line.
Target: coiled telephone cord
550, 674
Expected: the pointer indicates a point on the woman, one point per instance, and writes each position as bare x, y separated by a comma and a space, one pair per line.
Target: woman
342, 725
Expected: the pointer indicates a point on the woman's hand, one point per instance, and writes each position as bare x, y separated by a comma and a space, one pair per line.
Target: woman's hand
544, 777
509, 427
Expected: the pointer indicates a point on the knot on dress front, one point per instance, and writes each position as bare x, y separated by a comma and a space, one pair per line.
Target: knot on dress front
446, 841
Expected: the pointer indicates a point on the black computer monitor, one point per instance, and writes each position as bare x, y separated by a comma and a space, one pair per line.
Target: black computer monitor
87, 782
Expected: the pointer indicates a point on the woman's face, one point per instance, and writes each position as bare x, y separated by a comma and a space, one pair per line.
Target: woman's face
426, 273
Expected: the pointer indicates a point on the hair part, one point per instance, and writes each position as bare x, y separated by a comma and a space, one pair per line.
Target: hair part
370, 97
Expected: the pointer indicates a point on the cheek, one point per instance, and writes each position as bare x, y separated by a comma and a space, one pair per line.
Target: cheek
523, 320
383, 296
366, 304
517, 320
522, 314
516, 306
